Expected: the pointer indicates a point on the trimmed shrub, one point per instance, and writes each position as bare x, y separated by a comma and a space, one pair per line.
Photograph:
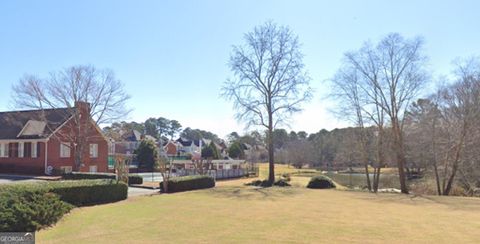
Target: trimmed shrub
135, 180
261, 183
32, 206
29, 207
264, 183
320, 182
132, 179
87, 176
281, 182
188, 183
90, 192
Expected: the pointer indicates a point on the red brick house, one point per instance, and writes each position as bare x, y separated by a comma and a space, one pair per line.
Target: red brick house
170, 148
36, 141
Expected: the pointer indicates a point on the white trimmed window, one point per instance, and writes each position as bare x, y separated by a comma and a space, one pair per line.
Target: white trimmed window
93, 168
64, 150
3, 150
93, 150
20, 149
34, 149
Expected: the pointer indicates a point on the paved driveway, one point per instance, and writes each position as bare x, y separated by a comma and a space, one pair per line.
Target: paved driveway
5, 179
137, 191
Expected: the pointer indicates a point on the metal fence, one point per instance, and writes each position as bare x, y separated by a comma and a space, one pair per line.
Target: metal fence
222, 173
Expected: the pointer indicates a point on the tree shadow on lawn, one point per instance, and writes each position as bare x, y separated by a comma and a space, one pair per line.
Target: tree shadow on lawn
452, 202
254, 193
455, 202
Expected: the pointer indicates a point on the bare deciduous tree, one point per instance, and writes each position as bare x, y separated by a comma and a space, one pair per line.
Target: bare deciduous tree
389, 76
460, 111
355, 104
68, 88
270, 82
444, 131
165, 167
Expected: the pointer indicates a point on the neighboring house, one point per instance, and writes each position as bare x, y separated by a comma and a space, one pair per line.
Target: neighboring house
35, 141
182, 147
223, 149
128, 143
247, 148
185, 147
171, 148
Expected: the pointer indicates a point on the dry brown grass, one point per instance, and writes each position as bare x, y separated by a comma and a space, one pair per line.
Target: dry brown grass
233, 213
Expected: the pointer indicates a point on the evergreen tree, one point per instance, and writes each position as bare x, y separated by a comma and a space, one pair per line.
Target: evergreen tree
235, 150
147, 154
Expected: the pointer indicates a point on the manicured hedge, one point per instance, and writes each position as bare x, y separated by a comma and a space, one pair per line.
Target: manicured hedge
132, 179
320, 182
29, 207
90, 192
87, 176
135, 180
188, 183
32, 206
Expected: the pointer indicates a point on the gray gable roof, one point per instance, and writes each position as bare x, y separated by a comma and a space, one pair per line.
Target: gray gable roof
184, 142
132, 135
11, 123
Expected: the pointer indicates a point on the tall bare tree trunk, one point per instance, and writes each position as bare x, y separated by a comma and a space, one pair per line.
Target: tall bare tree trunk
364, 149
376, 177
437, 177
400, 155
367, 174
271, 165
458, 149
435, 167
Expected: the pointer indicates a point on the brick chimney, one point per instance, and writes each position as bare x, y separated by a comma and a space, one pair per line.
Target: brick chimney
83, 108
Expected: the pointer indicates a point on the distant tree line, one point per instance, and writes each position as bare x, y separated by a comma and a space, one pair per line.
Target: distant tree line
159, 128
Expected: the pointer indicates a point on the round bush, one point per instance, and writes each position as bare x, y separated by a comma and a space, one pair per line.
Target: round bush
320, 182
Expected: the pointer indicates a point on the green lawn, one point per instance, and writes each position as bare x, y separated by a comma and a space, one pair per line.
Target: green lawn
233, 213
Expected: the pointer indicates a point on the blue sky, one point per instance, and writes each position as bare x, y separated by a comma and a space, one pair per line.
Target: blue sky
172, 55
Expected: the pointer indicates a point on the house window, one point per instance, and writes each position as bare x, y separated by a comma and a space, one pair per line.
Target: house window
93, 150
34, 150
20, 149
66, 169
4, 150
64, 150
93, 168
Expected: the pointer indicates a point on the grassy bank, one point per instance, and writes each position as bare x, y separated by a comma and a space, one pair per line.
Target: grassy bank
234, 213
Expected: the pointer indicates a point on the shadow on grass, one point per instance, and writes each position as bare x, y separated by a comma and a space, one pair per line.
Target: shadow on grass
254, 193
456, 203
451, 202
